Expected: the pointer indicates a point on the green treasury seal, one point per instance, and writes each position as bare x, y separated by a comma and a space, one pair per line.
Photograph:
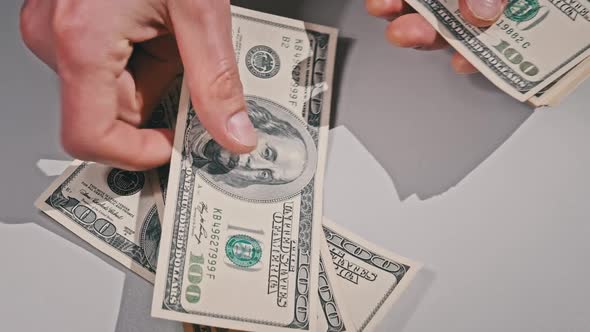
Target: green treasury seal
521, 10
243, 250
263, 62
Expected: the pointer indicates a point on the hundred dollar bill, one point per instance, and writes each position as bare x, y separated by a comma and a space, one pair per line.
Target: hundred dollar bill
371, 278
112, 209
331, 316
240, 238
533, 44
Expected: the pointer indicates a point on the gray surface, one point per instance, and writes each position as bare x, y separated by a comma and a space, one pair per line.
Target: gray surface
428, 127
77, 292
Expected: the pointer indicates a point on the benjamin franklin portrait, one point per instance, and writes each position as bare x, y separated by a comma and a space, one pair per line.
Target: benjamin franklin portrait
283, 162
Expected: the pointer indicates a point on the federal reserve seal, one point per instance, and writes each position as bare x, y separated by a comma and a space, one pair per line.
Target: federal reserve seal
243, 250
125, 183
521, 10
263, 62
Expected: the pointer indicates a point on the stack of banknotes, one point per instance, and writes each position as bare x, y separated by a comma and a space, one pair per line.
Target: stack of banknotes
537, 51
239, 241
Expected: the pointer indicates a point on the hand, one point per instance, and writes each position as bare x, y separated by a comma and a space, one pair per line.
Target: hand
409, 29
116, 58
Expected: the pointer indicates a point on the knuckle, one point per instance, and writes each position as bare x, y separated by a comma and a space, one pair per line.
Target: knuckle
81, 39
213, 115
71, 24
70, 18
225, 84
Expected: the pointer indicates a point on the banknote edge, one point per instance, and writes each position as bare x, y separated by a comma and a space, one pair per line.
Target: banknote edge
496, 79
394, 292
73, 228
564, 86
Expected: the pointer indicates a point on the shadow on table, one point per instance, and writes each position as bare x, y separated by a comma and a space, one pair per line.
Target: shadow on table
311, 11
445, 152
287, 8
427, 126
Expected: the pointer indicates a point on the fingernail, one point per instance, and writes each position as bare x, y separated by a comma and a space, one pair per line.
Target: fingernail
242, 130
486, 10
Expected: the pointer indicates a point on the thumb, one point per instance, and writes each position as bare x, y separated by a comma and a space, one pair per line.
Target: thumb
481, 13
203, 33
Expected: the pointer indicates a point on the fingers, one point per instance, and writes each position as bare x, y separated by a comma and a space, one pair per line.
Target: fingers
203, 33
91, 62
91, 130
461, 65
412, 30
481, 13
152, 68
409, 29
387, 9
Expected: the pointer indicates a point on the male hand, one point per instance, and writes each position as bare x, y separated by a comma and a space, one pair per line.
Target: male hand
409, 29
116, 58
